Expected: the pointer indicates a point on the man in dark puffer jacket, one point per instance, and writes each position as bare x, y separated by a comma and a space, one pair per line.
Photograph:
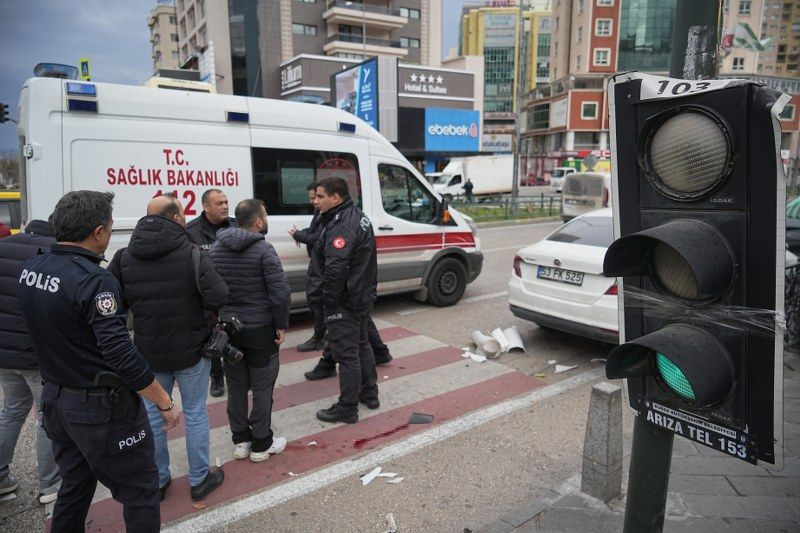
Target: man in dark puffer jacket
167, 298
259, 297
19, 368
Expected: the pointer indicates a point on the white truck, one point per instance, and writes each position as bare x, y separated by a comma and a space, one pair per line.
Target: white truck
489, 174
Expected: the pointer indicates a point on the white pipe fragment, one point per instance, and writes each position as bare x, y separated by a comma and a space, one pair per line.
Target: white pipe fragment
372, 475
514, 339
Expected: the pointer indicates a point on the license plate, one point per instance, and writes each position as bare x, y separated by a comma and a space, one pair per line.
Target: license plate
559, 274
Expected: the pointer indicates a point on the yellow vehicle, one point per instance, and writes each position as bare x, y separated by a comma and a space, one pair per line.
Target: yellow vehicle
10, 210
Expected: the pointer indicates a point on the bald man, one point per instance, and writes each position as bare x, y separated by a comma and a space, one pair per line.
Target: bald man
169, 285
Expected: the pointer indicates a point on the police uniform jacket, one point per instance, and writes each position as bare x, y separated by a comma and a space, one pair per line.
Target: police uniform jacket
16, 350
73, 310
203, 233
165, 293
250, 266
309, 235
344, 261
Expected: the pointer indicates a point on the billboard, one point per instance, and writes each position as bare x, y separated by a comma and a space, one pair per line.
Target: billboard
496, 142
452, 130
357, 91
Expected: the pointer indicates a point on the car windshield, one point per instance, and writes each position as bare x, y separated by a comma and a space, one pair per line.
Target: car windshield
589, 231
444, 179
558, 173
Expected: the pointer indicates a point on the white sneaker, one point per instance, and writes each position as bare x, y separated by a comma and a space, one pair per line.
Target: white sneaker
241, 450
278, 445
48, 498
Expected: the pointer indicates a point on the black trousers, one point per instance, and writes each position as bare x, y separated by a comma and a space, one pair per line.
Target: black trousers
257, 371
216, 367
90, 446
379, 348
318, 311
349, 345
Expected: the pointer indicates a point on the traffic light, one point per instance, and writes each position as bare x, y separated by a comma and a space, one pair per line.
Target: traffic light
698, 199
3, 112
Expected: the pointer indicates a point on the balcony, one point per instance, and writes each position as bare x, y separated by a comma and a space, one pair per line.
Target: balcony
371, 16
356, 44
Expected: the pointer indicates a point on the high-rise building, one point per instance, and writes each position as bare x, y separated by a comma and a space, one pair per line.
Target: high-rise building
590, 40
163, 25
493, 32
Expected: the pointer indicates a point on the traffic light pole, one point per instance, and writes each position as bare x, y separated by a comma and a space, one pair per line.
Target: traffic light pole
694, 56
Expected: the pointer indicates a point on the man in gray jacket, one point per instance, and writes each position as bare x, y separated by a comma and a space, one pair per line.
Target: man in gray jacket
259, 297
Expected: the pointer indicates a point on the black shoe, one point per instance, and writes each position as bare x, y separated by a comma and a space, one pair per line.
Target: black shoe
312, 345
383, 359
335, 413
217, 388
320, 372
371, 403
162, 491
211, 482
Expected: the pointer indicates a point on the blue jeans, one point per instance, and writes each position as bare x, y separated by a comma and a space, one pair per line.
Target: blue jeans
193, 384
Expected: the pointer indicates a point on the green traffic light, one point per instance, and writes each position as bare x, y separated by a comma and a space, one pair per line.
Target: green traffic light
673, 377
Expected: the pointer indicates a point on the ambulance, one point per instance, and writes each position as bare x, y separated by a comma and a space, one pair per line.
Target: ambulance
140, 142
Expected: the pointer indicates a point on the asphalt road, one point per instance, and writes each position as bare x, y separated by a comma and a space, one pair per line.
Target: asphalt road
468, 481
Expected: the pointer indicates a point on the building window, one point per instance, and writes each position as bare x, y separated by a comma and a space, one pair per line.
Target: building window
580, 33
409, 42
175, 56
304, 29
744, 7
738, 63
602, 27
555, 48
580, 6
787, 113
578, 62
201, 8
588, 110
540, 118
409, 13
602, 57
173, 37
605, 3
173, 19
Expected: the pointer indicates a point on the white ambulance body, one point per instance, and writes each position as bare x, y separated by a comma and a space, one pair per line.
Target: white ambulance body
139, 142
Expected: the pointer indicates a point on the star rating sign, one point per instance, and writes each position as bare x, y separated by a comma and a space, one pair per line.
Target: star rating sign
413, 76
430, 78
439, 80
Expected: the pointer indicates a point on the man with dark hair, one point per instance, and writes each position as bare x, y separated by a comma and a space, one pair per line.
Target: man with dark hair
203, 232
19, 368
98, 426
168, 285
259, 297
345, 262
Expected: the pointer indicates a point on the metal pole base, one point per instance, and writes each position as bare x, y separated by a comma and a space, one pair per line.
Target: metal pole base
648, 478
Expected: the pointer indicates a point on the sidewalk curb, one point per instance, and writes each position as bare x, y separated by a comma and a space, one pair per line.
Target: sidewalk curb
517, 222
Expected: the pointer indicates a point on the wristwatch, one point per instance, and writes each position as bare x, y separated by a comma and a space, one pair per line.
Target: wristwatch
171, 405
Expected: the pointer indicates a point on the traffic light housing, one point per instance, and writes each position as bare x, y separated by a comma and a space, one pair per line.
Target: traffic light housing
698, 199
3, 112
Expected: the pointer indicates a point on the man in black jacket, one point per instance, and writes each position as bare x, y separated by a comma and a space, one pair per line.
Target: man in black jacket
203, 232
259, 298
345, 260
19, 368
168, 284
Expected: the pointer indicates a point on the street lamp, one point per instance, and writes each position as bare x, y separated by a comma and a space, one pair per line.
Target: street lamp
363, 28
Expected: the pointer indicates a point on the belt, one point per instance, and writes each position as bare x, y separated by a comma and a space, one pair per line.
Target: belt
90, 391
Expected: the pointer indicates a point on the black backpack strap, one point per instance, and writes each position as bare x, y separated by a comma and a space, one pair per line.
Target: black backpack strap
196, 265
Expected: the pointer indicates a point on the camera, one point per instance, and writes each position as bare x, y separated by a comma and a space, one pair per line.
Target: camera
218, 343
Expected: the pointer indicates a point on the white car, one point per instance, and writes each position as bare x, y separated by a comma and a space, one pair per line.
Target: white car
558, 282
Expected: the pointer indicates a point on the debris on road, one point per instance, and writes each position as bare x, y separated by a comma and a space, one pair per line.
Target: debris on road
199, 505
387, 474
598, 360
218, 462
292, 474
514, 339
551, 362
539, 375
564, 368
365, 480
498, 342
474, 356
395, 481
486, 344
312, 443
391, 524
420, 418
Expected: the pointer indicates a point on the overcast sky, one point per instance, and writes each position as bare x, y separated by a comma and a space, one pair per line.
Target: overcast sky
113, 34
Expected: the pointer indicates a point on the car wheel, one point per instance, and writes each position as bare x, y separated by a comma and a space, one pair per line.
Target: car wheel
447, 282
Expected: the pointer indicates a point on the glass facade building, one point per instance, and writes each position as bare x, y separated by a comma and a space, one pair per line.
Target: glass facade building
645, 35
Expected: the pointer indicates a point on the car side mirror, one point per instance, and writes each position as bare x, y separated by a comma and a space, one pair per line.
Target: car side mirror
443, 216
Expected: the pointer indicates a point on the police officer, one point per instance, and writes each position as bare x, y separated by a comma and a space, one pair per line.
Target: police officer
98, 426
345, 260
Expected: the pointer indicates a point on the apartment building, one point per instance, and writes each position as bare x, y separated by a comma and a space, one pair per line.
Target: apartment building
204, 41
163, 25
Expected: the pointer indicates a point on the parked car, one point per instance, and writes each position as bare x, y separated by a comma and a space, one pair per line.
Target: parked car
557, 177
558, 282
584, 192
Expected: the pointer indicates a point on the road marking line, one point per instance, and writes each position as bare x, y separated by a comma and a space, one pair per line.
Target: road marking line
216, 518
471, 299
516, 247
518, 226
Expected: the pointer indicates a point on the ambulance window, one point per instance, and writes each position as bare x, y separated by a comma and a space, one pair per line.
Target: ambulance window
5, 214
280, 177
404, 196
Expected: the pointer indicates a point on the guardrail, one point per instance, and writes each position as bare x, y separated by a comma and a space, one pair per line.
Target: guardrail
369, 8
484, 210
359, 39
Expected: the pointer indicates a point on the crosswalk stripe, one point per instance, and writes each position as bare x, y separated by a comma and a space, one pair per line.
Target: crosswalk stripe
243, 477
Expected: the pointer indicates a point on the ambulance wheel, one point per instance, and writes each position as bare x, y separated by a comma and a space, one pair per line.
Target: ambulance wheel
447, 282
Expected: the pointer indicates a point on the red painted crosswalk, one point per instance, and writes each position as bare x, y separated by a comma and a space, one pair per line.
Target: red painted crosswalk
458, 388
